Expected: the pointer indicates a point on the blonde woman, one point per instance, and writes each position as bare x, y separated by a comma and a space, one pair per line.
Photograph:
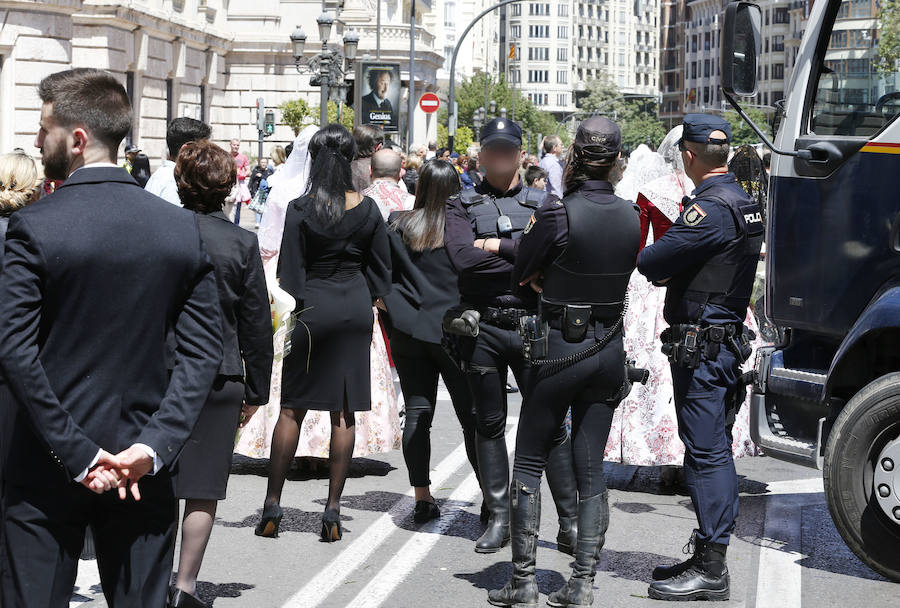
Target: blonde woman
20, 184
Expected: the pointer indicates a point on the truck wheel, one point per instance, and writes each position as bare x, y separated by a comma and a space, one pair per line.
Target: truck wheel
862, 475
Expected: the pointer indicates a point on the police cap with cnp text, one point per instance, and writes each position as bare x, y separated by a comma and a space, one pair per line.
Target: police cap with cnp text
598, 139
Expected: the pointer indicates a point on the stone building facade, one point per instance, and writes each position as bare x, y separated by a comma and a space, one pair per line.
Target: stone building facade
207, 59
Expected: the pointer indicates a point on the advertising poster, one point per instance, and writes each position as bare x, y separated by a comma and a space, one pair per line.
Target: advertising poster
378, 95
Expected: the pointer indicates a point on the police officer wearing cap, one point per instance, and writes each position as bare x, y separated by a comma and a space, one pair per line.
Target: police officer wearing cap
482, 231
707, 259
578, 255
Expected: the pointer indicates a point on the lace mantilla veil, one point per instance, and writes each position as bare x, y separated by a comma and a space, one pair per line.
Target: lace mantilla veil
286, 185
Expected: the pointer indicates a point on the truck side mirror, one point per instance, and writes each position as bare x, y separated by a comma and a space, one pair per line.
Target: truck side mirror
741, 46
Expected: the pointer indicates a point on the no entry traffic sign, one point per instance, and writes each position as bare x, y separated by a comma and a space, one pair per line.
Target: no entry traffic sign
429, 102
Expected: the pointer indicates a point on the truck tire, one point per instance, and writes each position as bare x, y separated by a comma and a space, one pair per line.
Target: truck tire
869, 422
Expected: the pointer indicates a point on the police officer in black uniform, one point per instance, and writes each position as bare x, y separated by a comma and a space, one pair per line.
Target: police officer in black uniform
579, 253
707, 259
482, 232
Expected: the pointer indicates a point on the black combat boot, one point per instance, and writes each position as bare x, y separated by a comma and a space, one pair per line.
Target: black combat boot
561, 479
522, 591
706, 579
493, 467
593, 521
693, 548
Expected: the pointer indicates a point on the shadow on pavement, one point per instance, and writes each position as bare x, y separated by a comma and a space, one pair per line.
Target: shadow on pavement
497, 575
210, 592
295, 520
305, 469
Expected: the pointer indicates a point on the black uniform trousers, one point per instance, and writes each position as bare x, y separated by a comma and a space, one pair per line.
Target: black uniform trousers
489, 358
135, 542
592, 389
702, 400
419, 364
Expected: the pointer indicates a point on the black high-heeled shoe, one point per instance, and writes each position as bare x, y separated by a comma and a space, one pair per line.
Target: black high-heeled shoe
183, 599
331, 526
271, 520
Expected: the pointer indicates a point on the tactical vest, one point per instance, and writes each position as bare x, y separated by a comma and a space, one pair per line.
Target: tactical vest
727, 278
597, 263
486, 212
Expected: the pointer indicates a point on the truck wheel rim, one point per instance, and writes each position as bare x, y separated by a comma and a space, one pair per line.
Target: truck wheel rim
886, 480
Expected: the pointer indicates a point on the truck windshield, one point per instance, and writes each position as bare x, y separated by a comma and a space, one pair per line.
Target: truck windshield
858, 90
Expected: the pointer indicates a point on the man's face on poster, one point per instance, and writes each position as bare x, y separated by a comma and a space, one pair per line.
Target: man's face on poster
383, 84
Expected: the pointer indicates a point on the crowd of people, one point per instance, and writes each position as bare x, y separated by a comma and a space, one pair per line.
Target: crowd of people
447, 267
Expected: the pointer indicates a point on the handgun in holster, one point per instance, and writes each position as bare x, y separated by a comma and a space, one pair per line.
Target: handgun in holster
533, 331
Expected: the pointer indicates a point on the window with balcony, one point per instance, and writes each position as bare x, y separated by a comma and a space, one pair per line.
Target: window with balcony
778, 71
538, 31
538, 76
562, 99
781, 15
515, 10
778, 43
562, 32
539, 9
563, 10
562, 77
515, 32
562, 54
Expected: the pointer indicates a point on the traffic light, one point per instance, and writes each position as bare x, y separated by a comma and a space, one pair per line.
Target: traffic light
269, 123
260, 114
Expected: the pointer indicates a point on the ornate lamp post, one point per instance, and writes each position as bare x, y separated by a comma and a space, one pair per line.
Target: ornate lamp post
328, 66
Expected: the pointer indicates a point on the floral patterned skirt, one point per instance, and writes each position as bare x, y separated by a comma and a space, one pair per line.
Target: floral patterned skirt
644, 429
377, 430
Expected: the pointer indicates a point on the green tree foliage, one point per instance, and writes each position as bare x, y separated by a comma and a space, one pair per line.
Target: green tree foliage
888, 36
297, 114
638, 118
741, 133
461, 142
470, 96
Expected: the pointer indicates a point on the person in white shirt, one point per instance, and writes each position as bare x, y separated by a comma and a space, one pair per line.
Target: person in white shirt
385, 189
553, 149
180, 131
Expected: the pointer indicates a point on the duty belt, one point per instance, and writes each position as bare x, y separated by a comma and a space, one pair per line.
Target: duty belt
684, 344
504, 318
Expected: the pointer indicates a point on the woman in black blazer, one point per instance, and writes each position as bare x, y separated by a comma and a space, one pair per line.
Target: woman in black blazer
422, 266
205, 174
19, 186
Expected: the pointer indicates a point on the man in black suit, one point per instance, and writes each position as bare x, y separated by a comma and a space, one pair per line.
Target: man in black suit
94, 278
376, 107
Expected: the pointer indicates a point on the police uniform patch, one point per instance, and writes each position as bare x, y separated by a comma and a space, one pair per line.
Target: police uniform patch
530, 224
694, 215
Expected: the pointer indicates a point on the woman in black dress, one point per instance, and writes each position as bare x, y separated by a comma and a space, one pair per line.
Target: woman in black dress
335, 260
205, 173
423, 262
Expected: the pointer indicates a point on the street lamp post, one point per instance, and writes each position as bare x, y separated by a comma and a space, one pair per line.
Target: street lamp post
327, 66
453, 113
477, 119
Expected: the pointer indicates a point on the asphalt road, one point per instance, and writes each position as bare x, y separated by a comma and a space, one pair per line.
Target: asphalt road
786, 552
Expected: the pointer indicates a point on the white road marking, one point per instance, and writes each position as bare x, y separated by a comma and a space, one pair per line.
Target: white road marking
422, 542
779, 577
348, 561
814, 485
88, 577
